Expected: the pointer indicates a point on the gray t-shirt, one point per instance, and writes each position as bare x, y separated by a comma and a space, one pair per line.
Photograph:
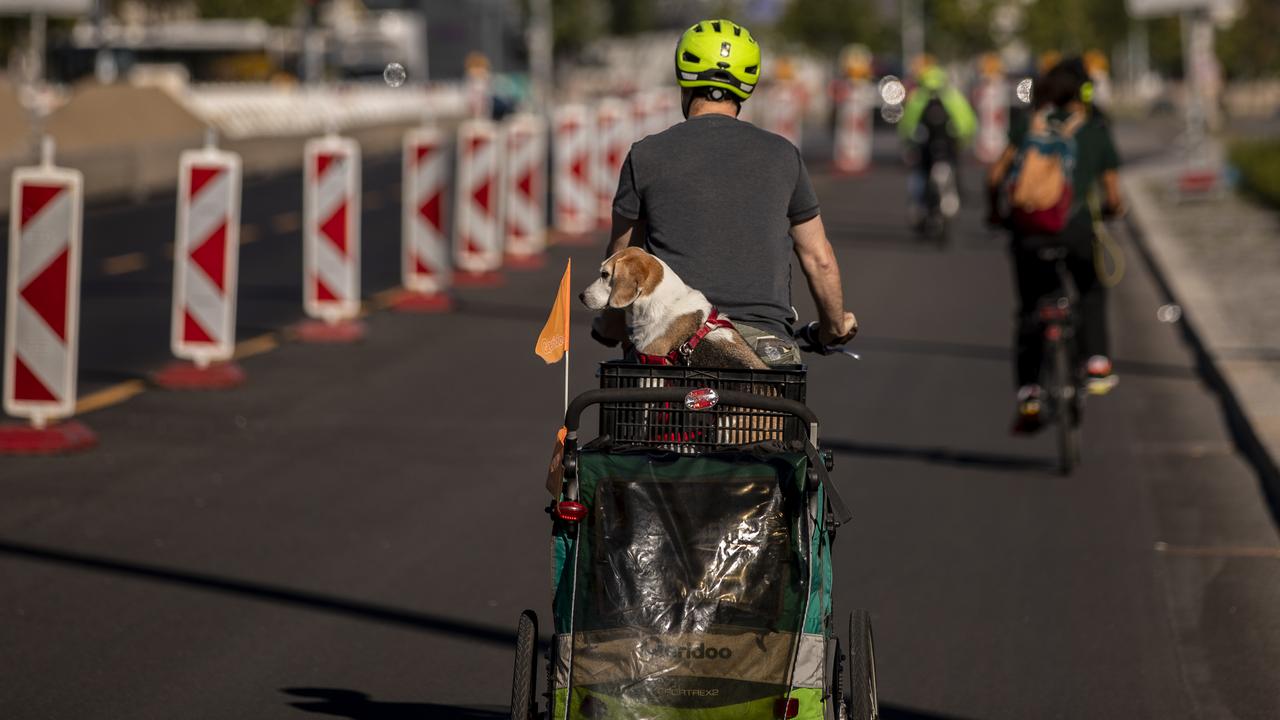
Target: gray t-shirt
720, 196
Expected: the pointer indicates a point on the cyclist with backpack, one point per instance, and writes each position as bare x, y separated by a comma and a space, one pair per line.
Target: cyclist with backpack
1058, 155
936, 121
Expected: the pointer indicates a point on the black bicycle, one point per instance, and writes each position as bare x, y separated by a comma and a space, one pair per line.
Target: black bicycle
1060, 374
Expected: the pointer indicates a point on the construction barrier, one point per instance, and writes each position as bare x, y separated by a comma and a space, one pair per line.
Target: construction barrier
575, 198
424, 262
42, 318
852, 147
613, 134
331, 229
992, 101
639, 116
783, 110
478, 223
524, 190
206, 257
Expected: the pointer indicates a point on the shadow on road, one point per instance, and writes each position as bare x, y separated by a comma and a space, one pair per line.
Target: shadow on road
359, 706
894, 712
942, 456
267, 593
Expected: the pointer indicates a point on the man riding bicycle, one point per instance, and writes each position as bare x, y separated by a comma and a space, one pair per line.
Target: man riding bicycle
725, 203
936, 121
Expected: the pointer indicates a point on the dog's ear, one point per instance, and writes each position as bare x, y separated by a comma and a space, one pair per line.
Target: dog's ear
634, 274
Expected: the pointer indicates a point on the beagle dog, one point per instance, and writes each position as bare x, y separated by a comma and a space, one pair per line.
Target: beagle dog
668, 322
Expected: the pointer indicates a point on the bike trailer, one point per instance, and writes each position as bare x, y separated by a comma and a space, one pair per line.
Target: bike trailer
692, 585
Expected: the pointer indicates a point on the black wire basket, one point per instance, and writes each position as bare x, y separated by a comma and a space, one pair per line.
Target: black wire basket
688, 427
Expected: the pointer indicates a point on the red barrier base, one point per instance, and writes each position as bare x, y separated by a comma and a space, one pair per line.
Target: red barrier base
186, 375
64, 437
486, 279
321, 332
524, 262
408, 301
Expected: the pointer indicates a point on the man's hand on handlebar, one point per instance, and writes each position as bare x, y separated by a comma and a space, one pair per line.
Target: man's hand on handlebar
839, 334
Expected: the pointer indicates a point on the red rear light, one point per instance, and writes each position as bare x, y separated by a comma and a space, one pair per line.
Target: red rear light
571, 511
785, 708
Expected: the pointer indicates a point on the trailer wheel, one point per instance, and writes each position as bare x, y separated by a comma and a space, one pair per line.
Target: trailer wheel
861, 699
523, 679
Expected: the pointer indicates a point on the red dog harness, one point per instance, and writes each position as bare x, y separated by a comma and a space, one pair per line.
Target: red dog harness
680, 356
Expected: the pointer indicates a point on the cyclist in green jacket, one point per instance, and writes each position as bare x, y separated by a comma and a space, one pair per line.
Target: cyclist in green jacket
936, 121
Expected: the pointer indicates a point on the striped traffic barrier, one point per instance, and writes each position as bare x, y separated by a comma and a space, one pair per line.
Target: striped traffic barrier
639, 116
992, 102
331, 240
613, 134
42, 318
205, 262
852, 147
575, 209
478, 221
783, 110
424, 262
524, 194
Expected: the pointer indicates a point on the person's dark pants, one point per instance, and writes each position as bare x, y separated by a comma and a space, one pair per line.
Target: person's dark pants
1036, 278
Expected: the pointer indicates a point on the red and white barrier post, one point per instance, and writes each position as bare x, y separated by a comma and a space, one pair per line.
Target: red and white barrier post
425, 268
478, 224
992, 102
331, 240
853, 127
613, 134
783, 110
42, 318
205, 262
575, 200
524, 191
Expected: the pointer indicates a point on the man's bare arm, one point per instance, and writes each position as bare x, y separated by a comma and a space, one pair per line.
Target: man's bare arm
818, 261
625, 233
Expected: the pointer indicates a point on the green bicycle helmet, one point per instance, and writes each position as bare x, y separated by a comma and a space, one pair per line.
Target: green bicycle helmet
718, 54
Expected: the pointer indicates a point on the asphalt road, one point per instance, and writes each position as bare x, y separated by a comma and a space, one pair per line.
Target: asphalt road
354, 532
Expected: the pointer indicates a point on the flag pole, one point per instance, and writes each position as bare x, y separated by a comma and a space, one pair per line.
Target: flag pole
568, 271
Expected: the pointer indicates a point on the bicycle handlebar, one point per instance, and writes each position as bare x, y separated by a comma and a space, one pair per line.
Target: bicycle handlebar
736, 398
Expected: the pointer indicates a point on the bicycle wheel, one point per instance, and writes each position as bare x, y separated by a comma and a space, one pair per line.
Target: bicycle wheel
1065, 409
861, 702
523, 680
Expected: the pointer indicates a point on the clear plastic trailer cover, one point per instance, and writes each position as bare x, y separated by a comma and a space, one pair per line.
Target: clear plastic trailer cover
697, 587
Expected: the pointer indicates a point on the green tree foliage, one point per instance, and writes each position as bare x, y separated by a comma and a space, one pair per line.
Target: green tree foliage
828, 25
276, 12
958, 29
1074, 26
1250, 47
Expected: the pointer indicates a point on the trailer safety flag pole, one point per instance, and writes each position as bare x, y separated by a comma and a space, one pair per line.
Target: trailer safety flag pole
553, 344
553, 341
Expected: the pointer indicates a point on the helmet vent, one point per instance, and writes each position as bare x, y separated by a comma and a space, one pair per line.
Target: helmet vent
751, 70
723, 64
737, 31
690, 57
715, 26
697, 28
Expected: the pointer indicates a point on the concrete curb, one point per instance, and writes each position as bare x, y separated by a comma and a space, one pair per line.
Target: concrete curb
1249, 394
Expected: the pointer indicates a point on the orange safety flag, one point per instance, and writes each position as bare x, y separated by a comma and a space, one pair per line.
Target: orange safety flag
555, 468
553, 341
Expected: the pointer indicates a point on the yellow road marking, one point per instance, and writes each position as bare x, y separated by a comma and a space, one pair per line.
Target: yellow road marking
107, 397
1227, 551
256, 346
384, 298
286, 222
121, 264
249, 234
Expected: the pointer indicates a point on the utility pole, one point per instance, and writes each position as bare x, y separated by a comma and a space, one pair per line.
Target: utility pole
912, 32
541, 55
